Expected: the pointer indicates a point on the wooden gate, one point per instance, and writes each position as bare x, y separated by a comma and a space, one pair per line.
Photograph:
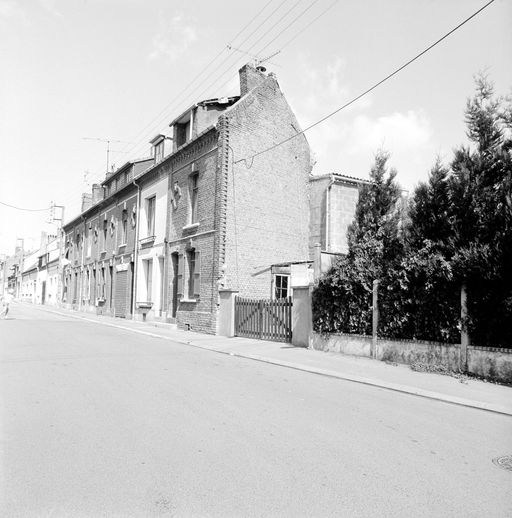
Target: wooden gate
264, 319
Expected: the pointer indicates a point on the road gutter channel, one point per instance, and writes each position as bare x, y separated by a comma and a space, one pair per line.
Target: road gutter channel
404, 389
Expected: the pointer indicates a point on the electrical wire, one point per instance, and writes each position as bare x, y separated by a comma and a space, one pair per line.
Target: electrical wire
192, 94
20, 208
367, 91
301, 31
188, 93
300, 15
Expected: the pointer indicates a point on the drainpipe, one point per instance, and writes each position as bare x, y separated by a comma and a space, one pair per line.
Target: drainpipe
82, 268
165, 280
136, 249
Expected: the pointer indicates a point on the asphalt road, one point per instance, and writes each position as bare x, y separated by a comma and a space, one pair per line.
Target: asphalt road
102, 422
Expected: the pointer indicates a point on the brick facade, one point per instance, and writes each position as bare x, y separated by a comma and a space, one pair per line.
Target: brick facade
99, 245
226, 220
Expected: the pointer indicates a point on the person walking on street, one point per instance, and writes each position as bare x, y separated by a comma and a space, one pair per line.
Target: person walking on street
6, 303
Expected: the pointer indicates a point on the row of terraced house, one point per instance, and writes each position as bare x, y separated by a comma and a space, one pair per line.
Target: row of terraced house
162, 237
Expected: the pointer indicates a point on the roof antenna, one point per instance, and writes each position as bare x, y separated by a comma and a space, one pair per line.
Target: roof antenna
257, 61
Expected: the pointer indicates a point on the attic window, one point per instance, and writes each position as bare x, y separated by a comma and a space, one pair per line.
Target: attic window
159, 152
182, 133
182, 129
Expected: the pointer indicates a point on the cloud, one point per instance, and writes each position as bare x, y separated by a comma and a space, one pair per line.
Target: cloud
51, 7
11, 10
173, 39
397, 132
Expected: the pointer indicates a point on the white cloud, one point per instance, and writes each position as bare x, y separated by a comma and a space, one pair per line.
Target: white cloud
396, 132
51, 7
173, 39
10, 9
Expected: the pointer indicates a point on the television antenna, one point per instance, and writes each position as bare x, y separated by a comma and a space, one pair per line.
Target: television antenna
257, 60
108, 141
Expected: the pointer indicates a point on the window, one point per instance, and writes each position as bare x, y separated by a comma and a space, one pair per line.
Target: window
148, 275
159, 152
124, 227
105, 230
89, 241
281, 287
194, 181
189, 290
191, 259
103, 281
182, 133
150, 214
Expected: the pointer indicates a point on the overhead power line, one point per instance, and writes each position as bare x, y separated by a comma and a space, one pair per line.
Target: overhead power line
367, 91
186, 89
303, 29
21, 208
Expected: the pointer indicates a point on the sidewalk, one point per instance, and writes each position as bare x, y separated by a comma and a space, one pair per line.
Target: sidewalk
400, 378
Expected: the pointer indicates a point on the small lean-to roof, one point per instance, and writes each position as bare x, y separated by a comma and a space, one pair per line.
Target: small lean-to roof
155, 140
338, 177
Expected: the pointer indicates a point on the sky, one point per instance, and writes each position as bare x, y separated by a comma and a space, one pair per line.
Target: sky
121, 70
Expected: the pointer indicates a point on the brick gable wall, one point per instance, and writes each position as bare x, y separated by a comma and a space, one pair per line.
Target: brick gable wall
267, 212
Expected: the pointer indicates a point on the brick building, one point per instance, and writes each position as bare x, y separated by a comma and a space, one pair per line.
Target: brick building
161, 236
231, 219
100, 243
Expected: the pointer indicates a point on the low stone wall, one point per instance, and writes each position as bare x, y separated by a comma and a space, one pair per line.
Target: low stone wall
356, 345
491, 362
488, 362
419, 351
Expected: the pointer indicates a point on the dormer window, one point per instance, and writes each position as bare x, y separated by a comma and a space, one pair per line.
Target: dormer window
158, 144
182, 133
182, 128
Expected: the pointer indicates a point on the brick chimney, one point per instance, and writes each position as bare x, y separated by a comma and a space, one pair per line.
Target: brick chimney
250, 77
86, 201
97, 193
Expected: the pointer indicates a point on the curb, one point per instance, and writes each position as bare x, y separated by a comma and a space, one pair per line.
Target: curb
404, 389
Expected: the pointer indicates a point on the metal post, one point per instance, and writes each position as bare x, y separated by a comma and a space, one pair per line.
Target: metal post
375, 318
464, 336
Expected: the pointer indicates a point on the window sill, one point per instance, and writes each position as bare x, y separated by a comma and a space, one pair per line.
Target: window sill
147, 240
188, 300
122, 246
192, 226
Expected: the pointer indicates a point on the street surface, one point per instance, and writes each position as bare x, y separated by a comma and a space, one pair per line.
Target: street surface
102, 422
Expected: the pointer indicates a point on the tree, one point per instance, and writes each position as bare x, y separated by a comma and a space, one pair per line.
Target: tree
342, 300
480, 197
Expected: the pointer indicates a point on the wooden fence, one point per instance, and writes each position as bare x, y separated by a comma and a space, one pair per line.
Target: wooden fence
264, 319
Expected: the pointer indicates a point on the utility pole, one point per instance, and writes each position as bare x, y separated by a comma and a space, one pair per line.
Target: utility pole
60, 224
108, 141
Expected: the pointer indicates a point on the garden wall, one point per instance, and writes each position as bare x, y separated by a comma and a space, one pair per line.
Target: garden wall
488, 362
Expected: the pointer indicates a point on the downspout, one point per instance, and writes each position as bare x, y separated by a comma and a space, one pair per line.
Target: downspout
165, 280
136, 249
82, 267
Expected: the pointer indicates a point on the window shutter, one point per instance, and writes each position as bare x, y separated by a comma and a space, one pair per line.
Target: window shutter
179, 279
197, 276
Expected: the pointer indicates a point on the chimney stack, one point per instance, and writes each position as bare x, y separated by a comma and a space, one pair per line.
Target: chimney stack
86, 201
97, 193
250, 78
